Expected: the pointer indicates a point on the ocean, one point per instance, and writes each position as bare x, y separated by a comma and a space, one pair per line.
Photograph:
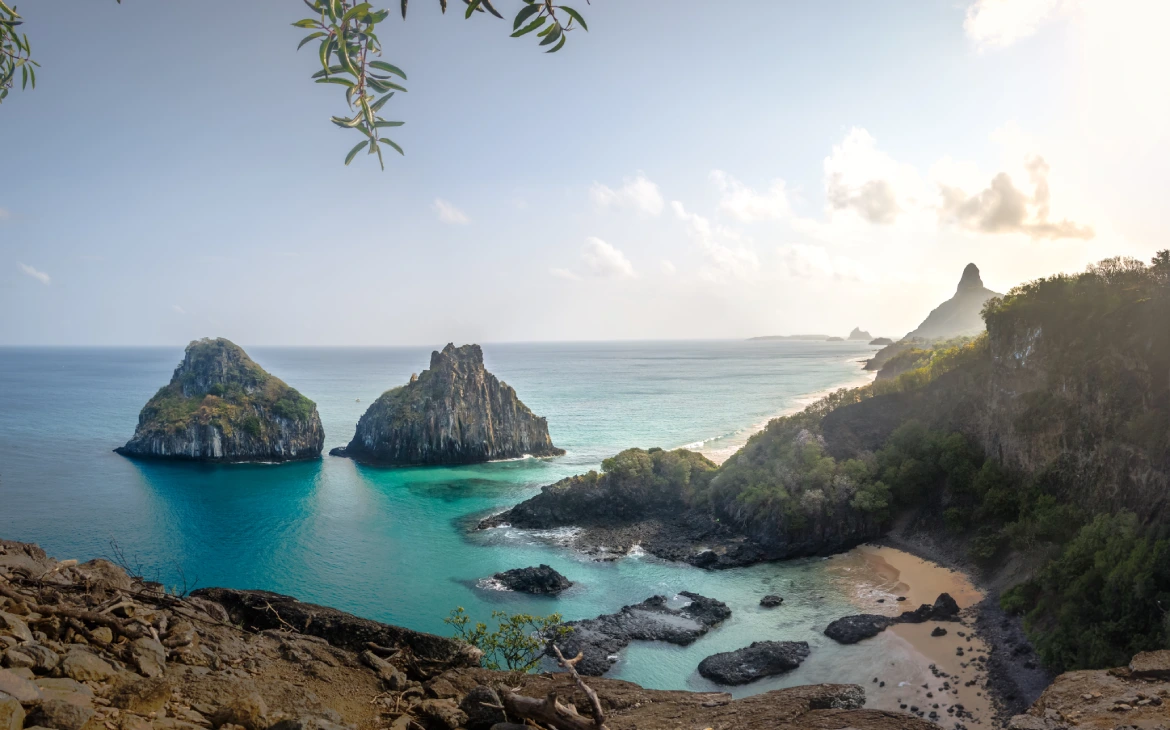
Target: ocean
395, 545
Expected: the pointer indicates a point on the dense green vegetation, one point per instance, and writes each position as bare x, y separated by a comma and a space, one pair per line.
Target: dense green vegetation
1104, 590
1105, 598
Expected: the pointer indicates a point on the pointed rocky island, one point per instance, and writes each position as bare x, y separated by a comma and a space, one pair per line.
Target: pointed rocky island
221, 406
455, 412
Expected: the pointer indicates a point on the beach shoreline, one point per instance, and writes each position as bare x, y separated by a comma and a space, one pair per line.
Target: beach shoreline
719, 448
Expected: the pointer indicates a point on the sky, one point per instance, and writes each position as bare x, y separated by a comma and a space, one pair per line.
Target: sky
681, 170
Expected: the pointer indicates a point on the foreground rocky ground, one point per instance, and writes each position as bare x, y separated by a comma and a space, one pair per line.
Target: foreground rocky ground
86, 647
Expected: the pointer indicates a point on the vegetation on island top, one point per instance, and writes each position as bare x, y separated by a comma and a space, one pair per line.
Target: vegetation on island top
231, 402
349, 51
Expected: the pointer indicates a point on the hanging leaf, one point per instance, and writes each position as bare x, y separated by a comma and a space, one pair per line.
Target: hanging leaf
392, 144
388, 67
575, 16
381, 102
357, 148
559, 44
472, 6
530, 27
309, 37
525, 13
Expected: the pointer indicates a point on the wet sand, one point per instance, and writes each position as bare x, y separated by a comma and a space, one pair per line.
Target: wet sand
951, 666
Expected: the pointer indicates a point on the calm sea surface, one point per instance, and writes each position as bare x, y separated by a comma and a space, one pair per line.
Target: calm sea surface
393, 544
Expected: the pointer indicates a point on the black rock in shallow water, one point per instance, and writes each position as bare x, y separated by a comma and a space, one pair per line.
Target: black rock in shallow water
852, 629
541, 580
600, 639
771, 601
761, 659
456, 412
222, 406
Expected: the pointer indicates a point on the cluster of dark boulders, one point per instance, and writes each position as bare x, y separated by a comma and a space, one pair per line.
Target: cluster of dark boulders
852, 629
599, 640
539, 581
760, 659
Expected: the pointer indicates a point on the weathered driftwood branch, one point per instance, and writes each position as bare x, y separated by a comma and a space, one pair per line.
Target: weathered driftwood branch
571, 666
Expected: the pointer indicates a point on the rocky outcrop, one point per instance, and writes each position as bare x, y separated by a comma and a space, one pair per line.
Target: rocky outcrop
600, 639
641, 500
760, 659
455, 412
302, 667
222, 406
1137, 696
540, 581
881, 341
852, 629
860, 334
771, 601
961, 314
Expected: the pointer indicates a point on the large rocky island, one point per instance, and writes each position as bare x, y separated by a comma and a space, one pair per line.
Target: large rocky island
456, 412
222, 406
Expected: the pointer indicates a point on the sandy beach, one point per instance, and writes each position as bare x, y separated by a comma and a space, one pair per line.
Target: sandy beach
941, 674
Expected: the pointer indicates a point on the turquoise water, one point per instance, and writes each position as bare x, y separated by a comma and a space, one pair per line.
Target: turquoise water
393, 544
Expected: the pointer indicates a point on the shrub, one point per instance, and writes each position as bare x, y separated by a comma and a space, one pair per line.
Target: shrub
517, 642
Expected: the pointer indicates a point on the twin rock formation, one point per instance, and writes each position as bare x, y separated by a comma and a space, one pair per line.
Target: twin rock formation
220, 406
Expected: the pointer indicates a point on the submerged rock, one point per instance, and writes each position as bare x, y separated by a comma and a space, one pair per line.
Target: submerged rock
222, 406
600, 639
455, 412
760, 659
541, 580
771, 601
852, 629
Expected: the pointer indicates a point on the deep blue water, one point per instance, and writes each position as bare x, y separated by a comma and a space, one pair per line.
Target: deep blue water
393, 544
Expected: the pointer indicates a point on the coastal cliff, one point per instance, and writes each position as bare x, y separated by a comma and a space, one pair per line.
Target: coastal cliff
959, 316
455, 412
222, 406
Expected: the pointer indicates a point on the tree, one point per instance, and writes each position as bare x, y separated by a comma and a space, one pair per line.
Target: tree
348, 48
518, 642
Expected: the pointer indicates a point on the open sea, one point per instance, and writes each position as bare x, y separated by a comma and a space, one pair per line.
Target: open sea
394, 544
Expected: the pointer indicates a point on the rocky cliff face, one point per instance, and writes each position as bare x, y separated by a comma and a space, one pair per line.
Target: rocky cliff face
860, 334
456, 412
959, 315
222, 406
1083, 398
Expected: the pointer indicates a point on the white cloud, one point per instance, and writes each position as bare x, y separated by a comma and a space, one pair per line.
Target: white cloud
639, 193
38, 275
564, 274
745, 204
861, 179
598, 260
603, 260
723, 247
804, 261
1003, 22
448, 213
178, 309
1001, 207
668, 268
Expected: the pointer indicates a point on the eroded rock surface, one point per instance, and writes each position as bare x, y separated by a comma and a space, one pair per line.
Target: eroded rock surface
852, 629
600, 639
455, 412
760, 659
540, 580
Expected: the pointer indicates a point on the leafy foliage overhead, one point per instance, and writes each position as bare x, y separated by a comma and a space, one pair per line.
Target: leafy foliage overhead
349, 51
350, 55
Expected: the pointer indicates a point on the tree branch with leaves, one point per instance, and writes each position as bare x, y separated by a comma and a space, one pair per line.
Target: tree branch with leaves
350, 53
349, 50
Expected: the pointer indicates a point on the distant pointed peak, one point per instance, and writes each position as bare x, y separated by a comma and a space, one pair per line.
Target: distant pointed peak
971, 278
471, 354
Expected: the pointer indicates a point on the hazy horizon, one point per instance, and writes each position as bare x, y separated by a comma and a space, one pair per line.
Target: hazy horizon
764, 170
